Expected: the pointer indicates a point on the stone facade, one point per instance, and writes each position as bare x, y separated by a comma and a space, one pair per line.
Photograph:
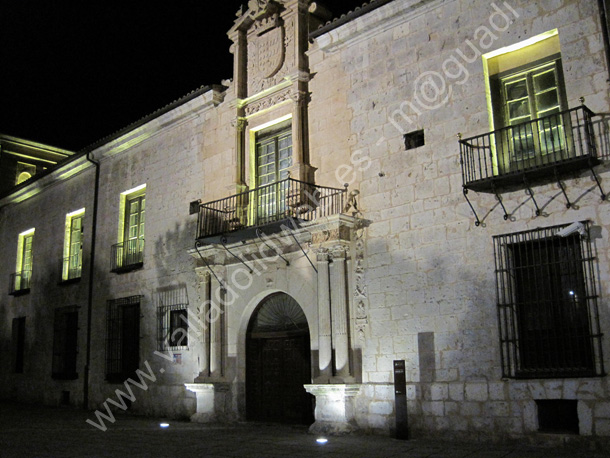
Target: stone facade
403, 269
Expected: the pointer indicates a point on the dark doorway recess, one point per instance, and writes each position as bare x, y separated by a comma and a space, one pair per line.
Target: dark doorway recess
278, 363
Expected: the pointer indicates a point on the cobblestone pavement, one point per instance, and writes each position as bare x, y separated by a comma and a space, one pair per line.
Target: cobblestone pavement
35, 431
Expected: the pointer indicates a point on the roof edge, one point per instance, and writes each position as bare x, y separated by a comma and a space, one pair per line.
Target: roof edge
155, 114
344, 19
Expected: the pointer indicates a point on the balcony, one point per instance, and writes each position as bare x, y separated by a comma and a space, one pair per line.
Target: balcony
20, 282
266, 208
71, 269
127, 256
540, 149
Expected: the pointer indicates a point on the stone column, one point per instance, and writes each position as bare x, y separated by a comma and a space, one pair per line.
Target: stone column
324, 318
340, 316
204, 362
216, 320
240, 154
301, 169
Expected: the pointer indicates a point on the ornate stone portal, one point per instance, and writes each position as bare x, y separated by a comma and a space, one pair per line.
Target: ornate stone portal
271, 78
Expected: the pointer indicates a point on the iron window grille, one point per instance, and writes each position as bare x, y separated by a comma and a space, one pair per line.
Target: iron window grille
65, 343
173, 327
547, 304
122, 338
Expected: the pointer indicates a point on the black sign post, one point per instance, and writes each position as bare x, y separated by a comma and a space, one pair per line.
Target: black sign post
400, 399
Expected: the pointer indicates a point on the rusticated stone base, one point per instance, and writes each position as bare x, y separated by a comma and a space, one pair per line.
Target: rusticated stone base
334, 408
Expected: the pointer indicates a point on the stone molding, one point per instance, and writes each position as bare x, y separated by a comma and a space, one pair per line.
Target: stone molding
327, 233
375, 23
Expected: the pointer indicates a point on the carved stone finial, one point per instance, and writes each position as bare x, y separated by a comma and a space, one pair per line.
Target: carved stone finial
261, 7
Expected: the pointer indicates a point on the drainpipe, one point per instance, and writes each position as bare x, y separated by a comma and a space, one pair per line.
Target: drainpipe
91, 277
604, 22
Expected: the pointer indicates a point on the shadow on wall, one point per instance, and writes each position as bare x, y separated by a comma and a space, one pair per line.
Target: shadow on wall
170, 252
463, 344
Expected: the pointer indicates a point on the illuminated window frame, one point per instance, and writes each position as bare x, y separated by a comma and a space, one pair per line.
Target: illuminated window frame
72, 254
21, 279
520, 57
128, 253
267, 204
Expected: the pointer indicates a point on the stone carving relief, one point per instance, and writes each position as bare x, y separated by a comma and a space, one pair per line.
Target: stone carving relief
270, 52
360, 289
258, 7
267, 102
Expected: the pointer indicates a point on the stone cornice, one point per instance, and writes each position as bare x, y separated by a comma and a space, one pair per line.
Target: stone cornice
374, 23
324, 233
78, 163
182, 113
52, 178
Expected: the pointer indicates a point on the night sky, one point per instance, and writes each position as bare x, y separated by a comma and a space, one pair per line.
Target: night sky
74, 73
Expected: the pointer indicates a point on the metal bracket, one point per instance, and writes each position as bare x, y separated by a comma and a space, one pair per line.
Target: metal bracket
599, 185
197, 245
531, 194
563, 189
477, 222
295, 239
258, 234
499, 197
223, 241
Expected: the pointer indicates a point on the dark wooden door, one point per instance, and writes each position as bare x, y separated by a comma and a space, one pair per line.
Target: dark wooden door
276, 370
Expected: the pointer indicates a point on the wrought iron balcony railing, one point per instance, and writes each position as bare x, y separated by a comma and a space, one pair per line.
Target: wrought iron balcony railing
71, 268
126, 256
263, 206
20, 282
543, 147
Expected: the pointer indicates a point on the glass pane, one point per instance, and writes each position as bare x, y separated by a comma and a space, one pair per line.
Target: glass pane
135, 219
523, 142
27, 253
516, 90
545, 80
551, 137
547, 100
519, 111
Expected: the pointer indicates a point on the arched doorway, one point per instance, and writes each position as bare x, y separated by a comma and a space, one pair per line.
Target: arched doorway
278, 363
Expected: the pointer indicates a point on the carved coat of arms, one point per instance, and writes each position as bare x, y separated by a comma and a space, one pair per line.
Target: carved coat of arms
270, 49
